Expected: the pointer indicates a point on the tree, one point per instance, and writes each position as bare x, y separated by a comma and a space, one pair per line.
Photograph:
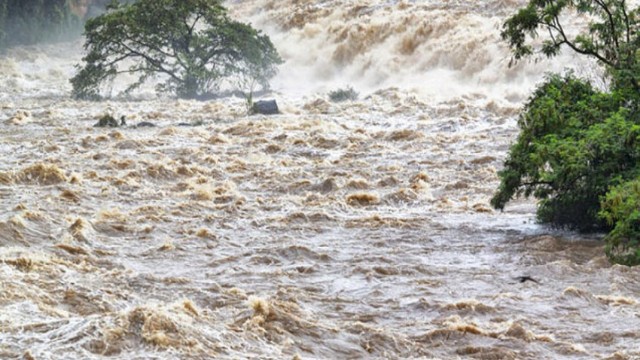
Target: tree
578, 150
192, 43
612, 37
574, 143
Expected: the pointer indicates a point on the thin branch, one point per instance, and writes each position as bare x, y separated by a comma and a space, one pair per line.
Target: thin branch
129, 71
148, 45
565, 40
536, 183
118, 59
612, 25
195, 22
152, 61
626, 21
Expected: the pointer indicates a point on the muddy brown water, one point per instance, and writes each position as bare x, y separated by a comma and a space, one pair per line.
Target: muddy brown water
332, 231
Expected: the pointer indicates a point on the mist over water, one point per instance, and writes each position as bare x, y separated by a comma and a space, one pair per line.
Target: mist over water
332, 231
437, 49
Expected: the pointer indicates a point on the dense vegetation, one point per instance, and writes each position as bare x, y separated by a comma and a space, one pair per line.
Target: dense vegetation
192, 44
578, 150
344, 94
32, 21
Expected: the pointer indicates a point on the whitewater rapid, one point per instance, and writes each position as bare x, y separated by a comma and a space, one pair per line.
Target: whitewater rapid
331, 231
436, 49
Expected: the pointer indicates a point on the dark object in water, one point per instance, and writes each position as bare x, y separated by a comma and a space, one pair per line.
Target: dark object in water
145, 124
265, 107
526, 278
106, 121
195, 123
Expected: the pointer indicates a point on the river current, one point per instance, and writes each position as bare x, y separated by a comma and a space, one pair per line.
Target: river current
354, 230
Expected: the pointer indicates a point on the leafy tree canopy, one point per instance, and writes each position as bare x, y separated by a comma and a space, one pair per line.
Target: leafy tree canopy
574, 143
578, 150
621, 209
192, 43
612, 36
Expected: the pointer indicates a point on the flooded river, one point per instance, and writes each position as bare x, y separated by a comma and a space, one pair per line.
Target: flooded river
355, 230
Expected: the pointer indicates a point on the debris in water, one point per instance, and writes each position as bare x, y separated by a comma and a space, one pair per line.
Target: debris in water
525, 278
107, 120
145, 124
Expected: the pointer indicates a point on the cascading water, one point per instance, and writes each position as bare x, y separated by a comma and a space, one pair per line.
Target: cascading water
335, 230
439, 49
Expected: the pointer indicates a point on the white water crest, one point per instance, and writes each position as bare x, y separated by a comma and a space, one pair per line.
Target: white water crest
347, 230
438, 49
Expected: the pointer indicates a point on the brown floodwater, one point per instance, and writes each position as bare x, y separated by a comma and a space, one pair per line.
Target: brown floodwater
332, 231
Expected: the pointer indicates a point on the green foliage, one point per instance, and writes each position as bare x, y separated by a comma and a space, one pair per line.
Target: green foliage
621, 209
32, 21
612, 36
345, 94
192, 43
578, 150
574, 143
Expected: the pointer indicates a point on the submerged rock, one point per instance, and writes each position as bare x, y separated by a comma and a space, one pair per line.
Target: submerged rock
107, 120
145, 124
195, 123
265, 107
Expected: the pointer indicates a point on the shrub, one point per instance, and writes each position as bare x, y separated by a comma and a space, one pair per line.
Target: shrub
621, 209
345, 94
571, 148
578, 152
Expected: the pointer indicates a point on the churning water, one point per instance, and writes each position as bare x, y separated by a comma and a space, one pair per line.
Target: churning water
333, 231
